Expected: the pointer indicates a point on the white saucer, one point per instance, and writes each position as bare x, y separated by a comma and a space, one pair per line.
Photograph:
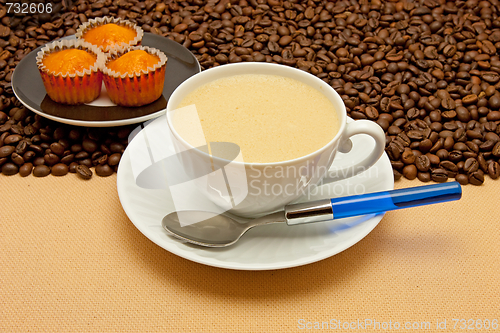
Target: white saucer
273, 246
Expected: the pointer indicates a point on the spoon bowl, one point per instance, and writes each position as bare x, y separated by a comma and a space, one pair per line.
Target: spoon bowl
213, 230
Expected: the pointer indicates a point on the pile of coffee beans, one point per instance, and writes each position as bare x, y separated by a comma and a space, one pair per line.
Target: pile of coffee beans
30, 144
427, 71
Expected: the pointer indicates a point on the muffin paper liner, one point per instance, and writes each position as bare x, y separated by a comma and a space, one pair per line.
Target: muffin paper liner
76, 88
135, 89
92, 23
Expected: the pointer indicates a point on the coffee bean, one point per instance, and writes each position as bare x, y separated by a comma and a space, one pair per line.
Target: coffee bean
87, 162
474, 134
450, 167
114, 159
449, 126
488, 47
469, 99
491, 136
273, 46
448, 143
59, 169
6, 151
455, 156
72, 167
25, 169
10, 169
117, 147
449, 114
410, 172
221, 58
471, 165
41, 171
2, 138
437, 146
82, 155
487, 145
36, 149
423, 163
416, 134
17, 159
462, 179
83, 171
463, 114
476, 177
57, 148
494, 101
74, 134
68, 159
408, 157
383, 123
447, 102
483, 165
439, 175
495, 151
404, 139
51, 159
494, 170
397, 165
21, 147
371, 113
6, 127
89, 145
425, 145
100, 160
424, 176
460, 146
65, 144
103, 170
493, 116
472, 146
434, 159
4, 31
393, 152
28, 156
460, 135
38, 161
12, 139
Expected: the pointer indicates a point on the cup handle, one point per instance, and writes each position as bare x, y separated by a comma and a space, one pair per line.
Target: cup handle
358, 127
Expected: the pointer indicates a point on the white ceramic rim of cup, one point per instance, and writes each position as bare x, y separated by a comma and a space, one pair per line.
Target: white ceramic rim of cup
228, 70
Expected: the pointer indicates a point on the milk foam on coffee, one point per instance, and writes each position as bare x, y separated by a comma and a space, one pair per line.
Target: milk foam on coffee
271, 118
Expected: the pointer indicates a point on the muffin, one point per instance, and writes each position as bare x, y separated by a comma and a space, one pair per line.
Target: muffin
134, 76
70, 71
108, 33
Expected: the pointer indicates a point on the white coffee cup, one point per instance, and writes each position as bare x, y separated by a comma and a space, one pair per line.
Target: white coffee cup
251, 189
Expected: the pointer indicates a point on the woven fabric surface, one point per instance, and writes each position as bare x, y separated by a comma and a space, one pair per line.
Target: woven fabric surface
71, 261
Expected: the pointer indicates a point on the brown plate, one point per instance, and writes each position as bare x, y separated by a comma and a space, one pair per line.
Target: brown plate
28, 88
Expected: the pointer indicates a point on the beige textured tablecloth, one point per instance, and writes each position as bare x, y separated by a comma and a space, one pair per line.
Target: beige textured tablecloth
71, 261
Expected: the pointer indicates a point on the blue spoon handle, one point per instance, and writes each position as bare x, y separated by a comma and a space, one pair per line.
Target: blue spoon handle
371, 203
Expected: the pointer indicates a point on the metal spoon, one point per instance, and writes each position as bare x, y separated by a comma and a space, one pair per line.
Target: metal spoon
224, 230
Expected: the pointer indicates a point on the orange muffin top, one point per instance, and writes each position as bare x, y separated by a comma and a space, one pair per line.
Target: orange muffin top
69, 61
109, 35
133, 61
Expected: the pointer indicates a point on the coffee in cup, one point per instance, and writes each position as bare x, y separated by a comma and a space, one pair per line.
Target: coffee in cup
271, 118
